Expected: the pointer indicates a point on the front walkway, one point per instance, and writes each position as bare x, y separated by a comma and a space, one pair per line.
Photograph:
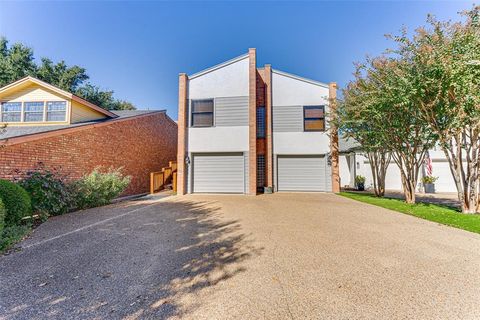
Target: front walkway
280, 256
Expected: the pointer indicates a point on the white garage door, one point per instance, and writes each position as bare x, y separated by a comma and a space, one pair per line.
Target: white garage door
218, 173
301, 173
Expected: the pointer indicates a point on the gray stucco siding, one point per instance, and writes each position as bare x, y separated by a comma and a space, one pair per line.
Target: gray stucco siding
231, 111
287, 118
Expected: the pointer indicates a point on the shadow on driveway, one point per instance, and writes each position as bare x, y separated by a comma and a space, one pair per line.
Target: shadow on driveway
130, 260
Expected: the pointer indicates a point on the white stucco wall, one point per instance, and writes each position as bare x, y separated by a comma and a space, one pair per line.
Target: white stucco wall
290, 91
440, 169
218, 139
301, 143
230, 80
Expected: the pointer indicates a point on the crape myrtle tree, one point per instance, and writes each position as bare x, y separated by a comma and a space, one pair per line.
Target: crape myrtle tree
387, 115
17, 61
445, 59
358, 120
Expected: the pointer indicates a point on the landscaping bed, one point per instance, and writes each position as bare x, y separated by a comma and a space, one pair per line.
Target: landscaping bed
26, 203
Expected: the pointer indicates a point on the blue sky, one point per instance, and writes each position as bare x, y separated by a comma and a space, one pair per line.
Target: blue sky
137, 49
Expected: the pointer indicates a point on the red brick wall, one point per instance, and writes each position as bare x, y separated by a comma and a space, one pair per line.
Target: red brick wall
140, 145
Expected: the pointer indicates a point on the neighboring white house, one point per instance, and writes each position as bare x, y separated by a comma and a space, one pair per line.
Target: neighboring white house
353, 163
243, 128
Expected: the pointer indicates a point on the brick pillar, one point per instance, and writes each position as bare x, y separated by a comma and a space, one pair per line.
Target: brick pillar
332, 95
252, 122
182, 134
268, 119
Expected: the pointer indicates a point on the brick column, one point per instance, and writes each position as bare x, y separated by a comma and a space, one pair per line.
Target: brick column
332, 95
268, 119
252, 122
182, 133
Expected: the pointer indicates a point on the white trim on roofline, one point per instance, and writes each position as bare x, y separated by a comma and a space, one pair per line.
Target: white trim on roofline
293, 76
218, 66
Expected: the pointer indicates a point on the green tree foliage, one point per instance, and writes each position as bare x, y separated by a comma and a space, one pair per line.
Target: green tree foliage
379, 112
445, 74
17, 61
426, 91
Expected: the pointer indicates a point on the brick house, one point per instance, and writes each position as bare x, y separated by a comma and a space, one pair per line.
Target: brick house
53, 128
242, 128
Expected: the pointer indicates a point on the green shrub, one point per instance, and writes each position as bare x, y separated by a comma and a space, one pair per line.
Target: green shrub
99, 188
16, 200
12, 235
429, 179
2, 217
360, 182
49, 193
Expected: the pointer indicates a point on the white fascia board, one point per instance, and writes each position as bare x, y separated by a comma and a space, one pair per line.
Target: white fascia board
321, 84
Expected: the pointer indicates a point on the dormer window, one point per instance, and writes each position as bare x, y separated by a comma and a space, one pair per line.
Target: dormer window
33, 111
11, 112
56, 111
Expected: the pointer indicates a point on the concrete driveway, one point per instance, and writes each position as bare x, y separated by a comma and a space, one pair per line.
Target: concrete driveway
281, 256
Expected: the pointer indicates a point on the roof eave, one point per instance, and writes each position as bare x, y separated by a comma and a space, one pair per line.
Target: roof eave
293, 76
218, 66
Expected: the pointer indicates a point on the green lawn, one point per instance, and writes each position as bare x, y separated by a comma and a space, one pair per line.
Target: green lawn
441, 214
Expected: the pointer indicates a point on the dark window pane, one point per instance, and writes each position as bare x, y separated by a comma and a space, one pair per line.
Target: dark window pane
34, 106
314, 125
11, 106
261, 122
11, 117
202, 106
11, 112
202, 119
33, 116
56, 106
56, 116
314, 112
260, 171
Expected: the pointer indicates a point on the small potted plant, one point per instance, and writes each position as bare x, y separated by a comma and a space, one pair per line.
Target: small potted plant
429, 184
360, 183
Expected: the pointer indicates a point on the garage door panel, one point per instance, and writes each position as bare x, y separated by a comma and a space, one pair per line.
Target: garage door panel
301, 173
219, 173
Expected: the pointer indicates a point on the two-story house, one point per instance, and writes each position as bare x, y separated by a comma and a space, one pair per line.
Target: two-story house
243, 128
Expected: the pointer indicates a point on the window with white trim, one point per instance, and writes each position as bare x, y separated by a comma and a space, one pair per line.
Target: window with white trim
33, 111
11, 112
56, 110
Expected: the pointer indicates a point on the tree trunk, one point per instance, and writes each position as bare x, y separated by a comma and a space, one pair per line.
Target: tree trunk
379, 161
466, 179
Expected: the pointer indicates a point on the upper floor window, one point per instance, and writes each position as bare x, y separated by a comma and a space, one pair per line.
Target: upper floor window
33, 111
202, 113
261, 122
11, 112
56, 110
314, 118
